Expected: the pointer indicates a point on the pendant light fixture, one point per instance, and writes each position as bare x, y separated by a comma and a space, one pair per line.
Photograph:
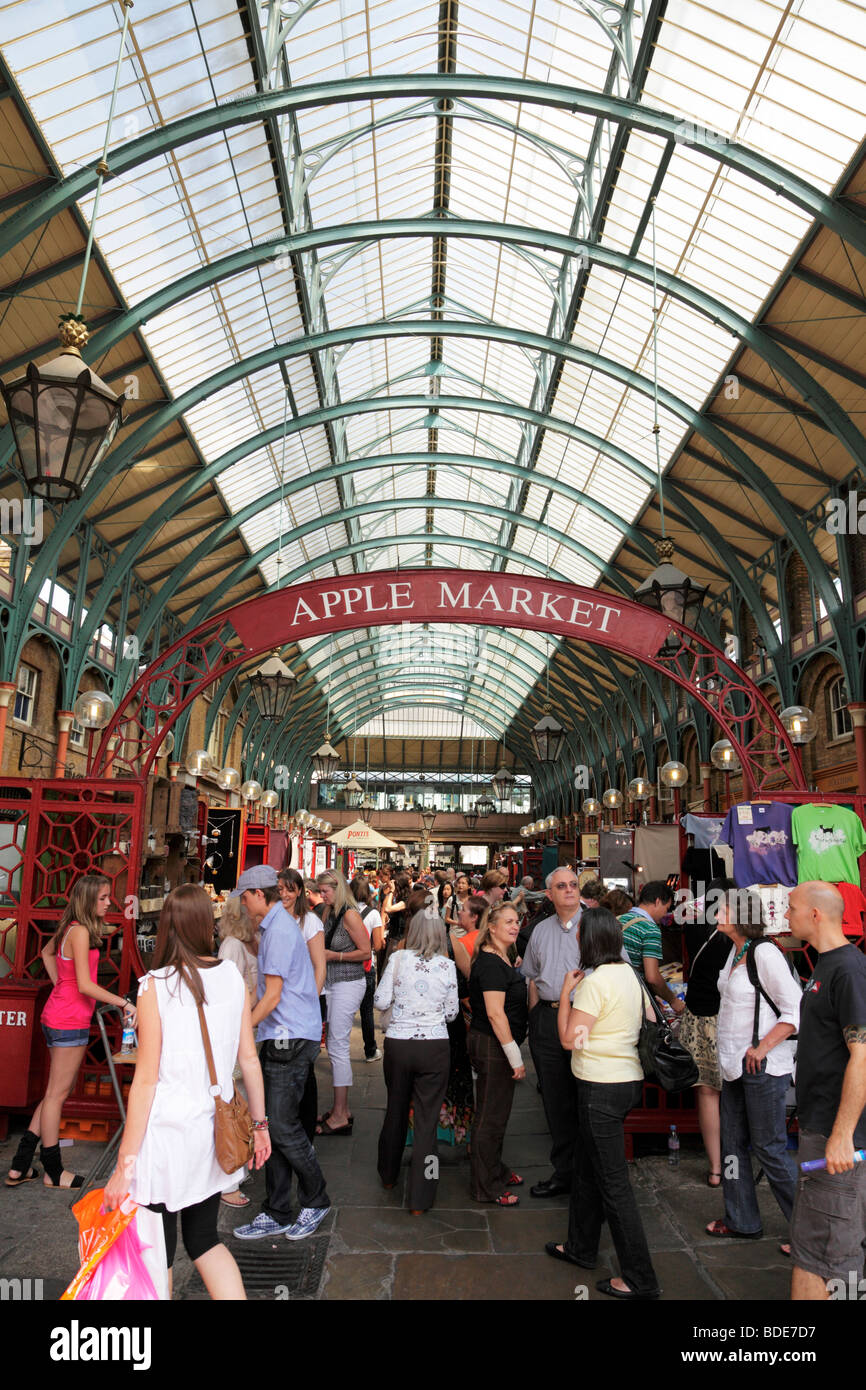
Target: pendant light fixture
326, 759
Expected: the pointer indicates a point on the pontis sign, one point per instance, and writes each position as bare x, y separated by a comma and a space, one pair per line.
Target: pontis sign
457, 596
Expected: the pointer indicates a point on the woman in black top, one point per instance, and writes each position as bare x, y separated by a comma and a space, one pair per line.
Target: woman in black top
707, 950
497, 995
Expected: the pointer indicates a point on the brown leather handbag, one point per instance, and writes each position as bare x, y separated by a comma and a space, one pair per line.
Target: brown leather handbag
232, 1122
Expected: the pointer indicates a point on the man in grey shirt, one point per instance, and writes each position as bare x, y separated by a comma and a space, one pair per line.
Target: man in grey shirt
552, 950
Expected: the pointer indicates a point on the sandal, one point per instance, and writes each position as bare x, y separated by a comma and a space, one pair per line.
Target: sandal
22, 1176
344, 1130
718, 1228
508, 1199
22, 1163
718, 1179
54, 1170
239, 1199
515, 1180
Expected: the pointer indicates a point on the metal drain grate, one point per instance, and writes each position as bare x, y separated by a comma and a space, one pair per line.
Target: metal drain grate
289, 1271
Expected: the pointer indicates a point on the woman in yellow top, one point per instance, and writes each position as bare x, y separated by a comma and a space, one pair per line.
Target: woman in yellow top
601, 1031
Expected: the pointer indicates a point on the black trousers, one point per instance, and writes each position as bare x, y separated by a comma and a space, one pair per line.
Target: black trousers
416, 1074
553, 1065
368, 1023
494, 1094
602, 1190
198, 1224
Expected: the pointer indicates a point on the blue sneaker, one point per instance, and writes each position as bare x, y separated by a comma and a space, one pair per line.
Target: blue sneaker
309, 1220
263, 1225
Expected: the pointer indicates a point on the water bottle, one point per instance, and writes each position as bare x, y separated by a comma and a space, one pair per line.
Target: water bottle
127, 1042
674, 1148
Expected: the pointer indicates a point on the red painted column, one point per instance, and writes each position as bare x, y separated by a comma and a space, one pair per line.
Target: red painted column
7, 694
112, 750
858, 719
64, 724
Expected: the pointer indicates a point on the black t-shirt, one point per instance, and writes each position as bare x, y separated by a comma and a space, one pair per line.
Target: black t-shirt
702, 993
834, 998
491, 972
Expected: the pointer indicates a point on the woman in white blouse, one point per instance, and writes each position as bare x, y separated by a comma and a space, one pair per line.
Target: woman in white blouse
420, 987
756, 1067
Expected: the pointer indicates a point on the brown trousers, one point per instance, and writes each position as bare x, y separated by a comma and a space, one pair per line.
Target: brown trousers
494, 1093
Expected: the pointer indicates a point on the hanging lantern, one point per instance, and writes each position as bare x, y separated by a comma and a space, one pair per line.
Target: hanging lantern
229, 779
674, 774
670, 592
273, 685
353, 792
367, 809
93, 710
591, 807
63, 417
470, 818
723, 756
326, 760
548, 737
269, 799
612, 798
503, 783
251, 790
200, 763
639, 789
800, 723
484, 805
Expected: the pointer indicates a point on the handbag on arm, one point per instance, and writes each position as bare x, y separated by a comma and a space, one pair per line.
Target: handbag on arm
664, 1060
232, 1122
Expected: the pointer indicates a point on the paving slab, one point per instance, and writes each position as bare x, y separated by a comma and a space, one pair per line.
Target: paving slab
518, 1278
361, 1228
368, 1277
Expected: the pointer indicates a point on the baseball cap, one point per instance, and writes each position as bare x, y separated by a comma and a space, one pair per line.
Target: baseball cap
259, 876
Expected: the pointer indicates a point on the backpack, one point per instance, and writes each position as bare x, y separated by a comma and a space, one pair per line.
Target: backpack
760, 992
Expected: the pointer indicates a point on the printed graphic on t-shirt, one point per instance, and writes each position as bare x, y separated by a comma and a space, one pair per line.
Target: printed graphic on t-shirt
763, 841
820, 841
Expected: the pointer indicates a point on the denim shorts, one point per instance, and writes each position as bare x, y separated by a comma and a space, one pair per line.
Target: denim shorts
66, 1037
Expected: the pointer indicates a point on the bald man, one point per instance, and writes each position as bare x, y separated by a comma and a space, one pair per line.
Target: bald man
828, 1227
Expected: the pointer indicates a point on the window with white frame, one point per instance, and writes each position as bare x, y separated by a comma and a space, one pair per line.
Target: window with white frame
25, 695
76, 734
215, 742
840, 719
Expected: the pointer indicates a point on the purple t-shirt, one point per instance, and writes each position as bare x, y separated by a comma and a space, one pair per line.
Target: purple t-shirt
759, 833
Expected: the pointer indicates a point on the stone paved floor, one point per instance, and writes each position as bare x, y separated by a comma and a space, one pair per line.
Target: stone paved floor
371, 1248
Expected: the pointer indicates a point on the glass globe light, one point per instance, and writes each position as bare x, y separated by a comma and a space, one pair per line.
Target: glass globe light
723, 756
269, 800
613, 798
639, 789
229, 779
251, 790
674, 774
200, 763
800, 723
93, 710
591, 807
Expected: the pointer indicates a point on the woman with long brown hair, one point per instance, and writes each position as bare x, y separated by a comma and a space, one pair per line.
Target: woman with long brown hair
70, 958
167, 1157
347, 947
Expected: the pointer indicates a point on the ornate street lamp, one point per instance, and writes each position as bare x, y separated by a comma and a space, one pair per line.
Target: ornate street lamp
326, 760
670, 592
548, 737
470, 818
353, 792
273, 685
503, 783
368, 806
484, 805
428, 817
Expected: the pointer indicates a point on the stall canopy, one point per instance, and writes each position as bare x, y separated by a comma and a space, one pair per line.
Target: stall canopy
360, 836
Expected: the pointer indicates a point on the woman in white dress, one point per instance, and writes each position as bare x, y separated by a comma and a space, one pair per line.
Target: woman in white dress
167, 1158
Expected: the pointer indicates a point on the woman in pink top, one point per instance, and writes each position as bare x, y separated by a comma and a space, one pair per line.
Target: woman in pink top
70, 958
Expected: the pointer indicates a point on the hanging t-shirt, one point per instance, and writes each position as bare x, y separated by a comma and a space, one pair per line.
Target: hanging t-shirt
829, 840
834, 999
855, 904
759, 833
706, 829
774, 904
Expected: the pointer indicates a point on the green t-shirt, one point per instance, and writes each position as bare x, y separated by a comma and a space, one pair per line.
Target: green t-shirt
829, 840
641, 937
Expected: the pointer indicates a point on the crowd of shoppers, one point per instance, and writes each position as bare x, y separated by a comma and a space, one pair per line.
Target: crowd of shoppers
464, 976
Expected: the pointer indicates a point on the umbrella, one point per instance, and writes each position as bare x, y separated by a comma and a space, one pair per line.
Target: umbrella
359, 835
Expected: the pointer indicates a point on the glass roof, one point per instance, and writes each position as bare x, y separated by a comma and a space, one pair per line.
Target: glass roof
785, 80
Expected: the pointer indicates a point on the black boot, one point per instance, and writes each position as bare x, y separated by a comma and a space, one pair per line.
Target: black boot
22, 1163
54, 1167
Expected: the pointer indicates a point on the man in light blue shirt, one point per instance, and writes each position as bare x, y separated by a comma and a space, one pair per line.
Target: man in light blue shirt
289, 1025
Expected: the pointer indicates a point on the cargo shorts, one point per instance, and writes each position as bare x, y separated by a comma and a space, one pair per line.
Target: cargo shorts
828, 1225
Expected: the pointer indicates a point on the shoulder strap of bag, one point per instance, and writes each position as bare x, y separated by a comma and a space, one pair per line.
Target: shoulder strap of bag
365, 911
332, 928
205, 1037
700, 949
760, 992
645, 990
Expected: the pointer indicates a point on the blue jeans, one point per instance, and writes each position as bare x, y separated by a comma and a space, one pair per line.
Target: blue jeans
753, 1113
285, 1067
601, 1190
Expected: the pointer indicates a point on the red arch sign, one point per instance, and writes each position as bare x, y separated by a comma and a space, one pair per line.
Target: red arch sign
230, 639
